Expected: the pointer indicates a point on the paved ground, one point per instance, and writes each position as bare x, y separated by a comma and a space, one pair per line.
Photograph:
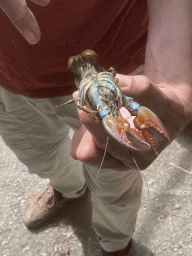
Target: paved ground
164, 221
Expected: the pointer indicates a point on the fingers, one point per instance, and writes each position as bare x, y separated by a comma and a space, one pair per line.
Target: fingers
134, 86
86, 150
159, 98
152, 96
22, 18
90, 144
95, 127
146, 93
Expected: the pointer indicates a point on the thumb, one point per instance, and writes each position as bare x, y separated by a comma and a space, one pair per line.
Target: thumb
146, 93
134, 86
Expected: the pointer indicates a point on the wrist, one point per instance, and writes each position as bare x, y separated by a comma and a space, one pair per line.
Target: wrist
178, 106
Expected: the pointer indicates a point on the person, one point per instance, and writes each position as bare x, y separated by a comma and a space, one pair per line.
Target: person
34, 80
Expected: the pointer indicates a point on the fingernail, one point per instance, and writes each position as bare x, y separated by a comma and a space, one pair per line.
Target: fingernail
75, 94
124, 80
30, 36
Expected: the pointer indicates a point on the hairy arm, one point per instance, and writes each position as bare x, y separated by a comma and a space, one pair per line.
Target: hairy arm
169, 46
169, 55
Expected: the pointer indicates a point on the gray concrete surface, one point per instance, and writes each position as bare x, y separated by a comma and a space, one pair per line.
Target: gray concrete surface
164, 224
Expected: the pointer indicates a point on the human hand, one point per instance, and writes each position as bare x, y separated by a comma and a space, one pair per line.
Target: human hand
22, 18
165, 101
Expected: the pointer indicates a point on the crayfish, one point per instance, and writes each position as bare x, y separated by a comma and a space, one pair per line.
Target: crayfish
101, 89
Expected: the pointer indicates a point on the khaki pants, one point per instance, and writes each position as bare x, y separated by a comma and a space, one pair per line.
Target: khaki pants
37, 132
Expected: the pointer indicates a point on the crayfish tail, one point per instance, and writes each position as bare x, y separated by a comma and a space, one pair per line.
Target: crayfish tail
75, 63
90, 56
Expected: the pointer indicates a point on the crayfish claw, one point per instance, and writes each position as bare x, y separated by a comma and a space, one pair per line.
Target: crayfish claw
119, 129
146, 120
149, 138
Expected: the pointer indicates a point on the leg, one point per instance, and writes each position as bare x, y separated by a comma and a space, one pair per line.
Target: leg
39, 138
116, 200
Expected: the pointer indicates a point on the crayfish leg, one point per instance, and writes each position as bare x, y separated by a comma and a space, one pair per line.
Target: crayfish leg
92, 113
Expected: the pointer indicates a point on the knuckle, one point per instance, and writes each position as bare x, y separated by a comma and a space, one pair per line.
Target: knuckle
147, 85
84, 155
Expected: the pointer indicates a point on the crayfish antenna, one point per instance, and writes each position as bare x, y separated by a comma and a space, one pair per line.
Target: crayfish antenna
140, 172
66, 103
101, 161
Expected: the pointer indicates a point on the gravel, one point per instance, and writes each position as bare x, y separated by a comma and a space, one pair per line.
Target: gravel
164, 225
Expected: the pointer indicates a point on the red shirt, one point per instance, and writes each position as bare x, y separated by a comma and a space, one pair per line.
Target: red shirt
116, 30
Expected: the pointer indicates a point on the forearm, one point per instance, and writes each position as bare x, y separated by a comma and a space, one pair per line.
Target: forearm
169, 46
169, 49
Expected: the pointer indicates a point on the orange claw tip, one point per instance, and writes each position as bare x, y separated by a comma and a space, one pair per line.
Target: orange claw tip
146, 119
118, 127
